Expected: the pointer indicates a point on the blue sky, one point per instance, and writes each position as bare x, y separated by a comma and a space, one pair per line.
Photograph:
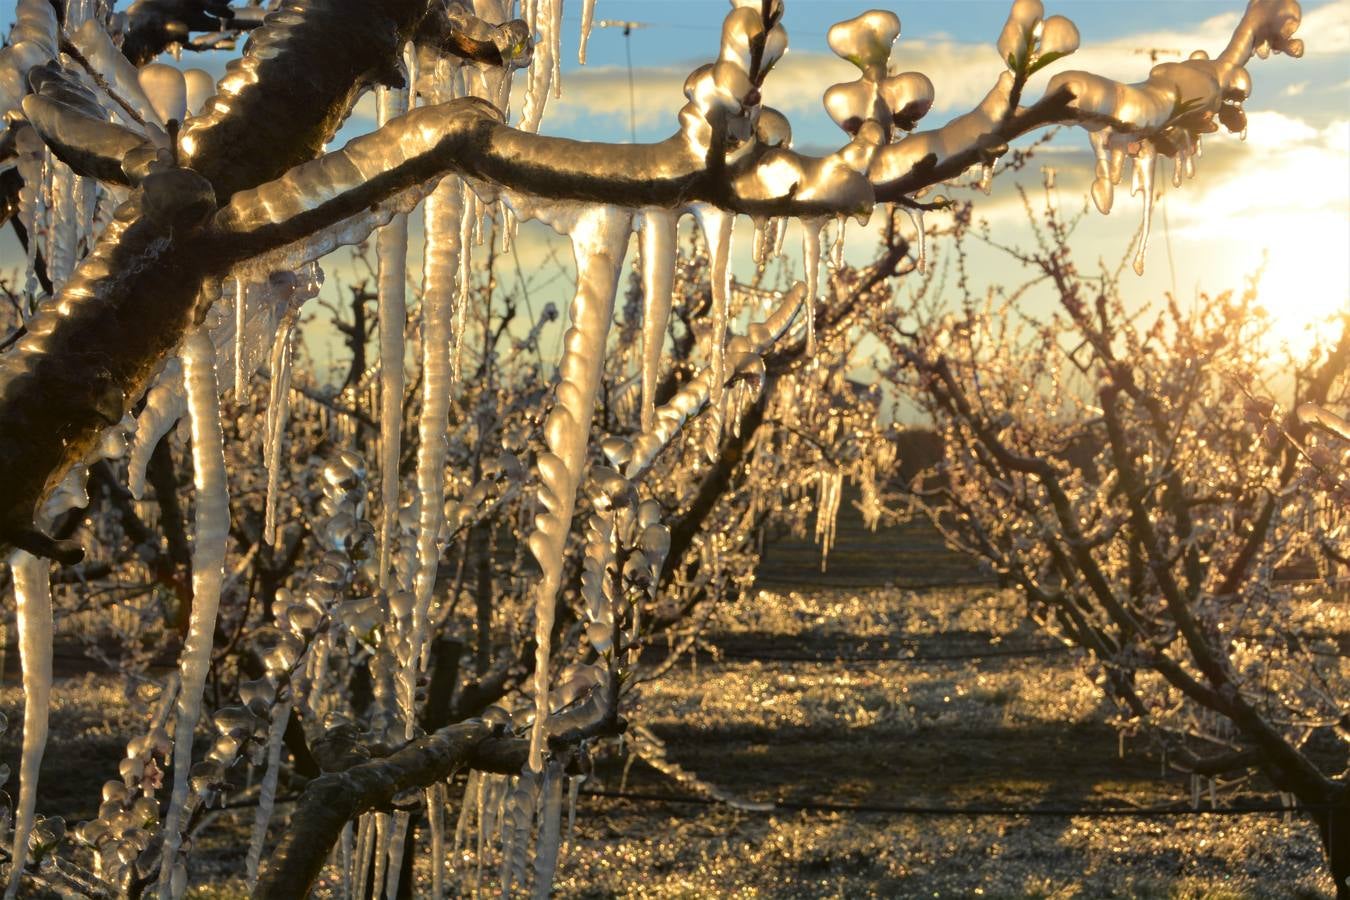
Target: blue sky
1285, 193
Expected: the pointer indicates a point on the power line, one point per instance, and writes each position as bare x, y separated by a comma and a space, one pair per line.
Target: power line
1101, 812
993, 653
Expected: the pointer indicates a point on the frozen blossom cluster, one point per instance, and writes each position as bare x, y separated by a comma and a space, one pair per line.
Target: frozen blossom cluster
175, 229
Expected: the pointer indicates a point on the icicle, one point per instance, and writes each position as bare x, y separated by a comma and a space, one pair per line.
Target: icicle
392, 251
471, 801
1103, 190
587, 17
165, 404
550, 831
987, 179
435, 799
658, 286
837, 250
267, 793
211, 526
811, 229
345, 853
916, 216
364, 831
33, 602
573, 790
469, 201
444, 209
240, 338
278, 404
717, 230
64, 234
1144, 165
599, 238
381, 842
397, 840
540, 77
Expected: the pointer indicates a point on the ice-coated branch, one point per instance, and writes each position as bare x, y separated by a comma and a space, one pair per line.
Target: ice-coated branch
283, 100
335, 798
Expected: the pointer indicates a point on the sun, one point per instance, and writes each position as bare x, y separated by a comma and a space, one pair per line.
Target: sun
1305, 283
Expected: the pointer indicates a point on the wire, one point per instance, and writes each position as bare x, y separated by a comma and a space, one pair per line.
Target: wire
1125, 812
879, 657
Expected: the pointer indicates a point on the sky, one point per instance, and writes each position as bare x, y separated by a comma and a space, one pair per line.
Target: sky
1280, 201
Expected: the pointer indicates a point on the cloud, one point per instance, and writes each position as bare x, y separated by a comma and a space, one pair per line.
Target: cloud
962, 72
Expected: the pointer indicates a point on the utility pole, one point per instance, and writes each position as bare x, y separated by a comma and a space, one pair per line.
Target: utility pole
628, 52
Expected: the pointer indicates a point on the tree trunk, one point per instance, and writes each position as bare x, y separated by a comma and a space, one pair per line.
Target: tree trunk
1332, 814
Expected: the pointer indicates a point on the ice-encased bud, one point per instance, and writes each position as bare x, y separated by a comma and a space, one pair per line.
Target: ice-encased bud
908, 96
853, 103
257, 694
740, 29
166, 89
496, 717
1015, 41
866, 40
235, 721
773, 128
1059, 36
200, 87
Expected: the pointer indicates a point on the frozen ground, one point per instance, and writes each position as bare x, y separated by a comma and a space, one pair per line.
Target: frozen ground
1000, 730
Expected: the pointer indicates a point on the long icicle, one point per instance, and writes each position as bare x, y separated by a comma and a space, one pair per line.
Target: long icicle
33, 601
658, 288
392, 252
211, 527
435, 799
444, 208
717, 225
398, 838
278, 406
811, 229
599, 238
267, 792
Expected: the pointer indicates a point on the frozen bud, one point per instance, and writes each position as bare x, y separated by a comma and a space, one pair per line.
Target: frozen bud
1239, 85
401, 603
866, 40
514, 44
354, 461
1014, 43
655, 543
235, 721
224, 750
145, 812
93, 832
740, 30
908, 96
496, 717
131, 769
281, 652
302, 620
166, 90
200, 87
851, 104
618, 450
257, 693
1233, 118
649, 513
638, 571
339, 477
773, 129
115, 792
1059, 37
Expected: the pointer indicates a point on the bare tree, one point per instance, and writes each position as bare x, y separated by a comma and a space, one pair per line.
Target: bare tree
181, 223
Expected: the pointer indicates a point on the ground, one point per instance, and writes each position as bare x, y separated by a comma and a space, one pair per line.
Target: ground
778, 707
